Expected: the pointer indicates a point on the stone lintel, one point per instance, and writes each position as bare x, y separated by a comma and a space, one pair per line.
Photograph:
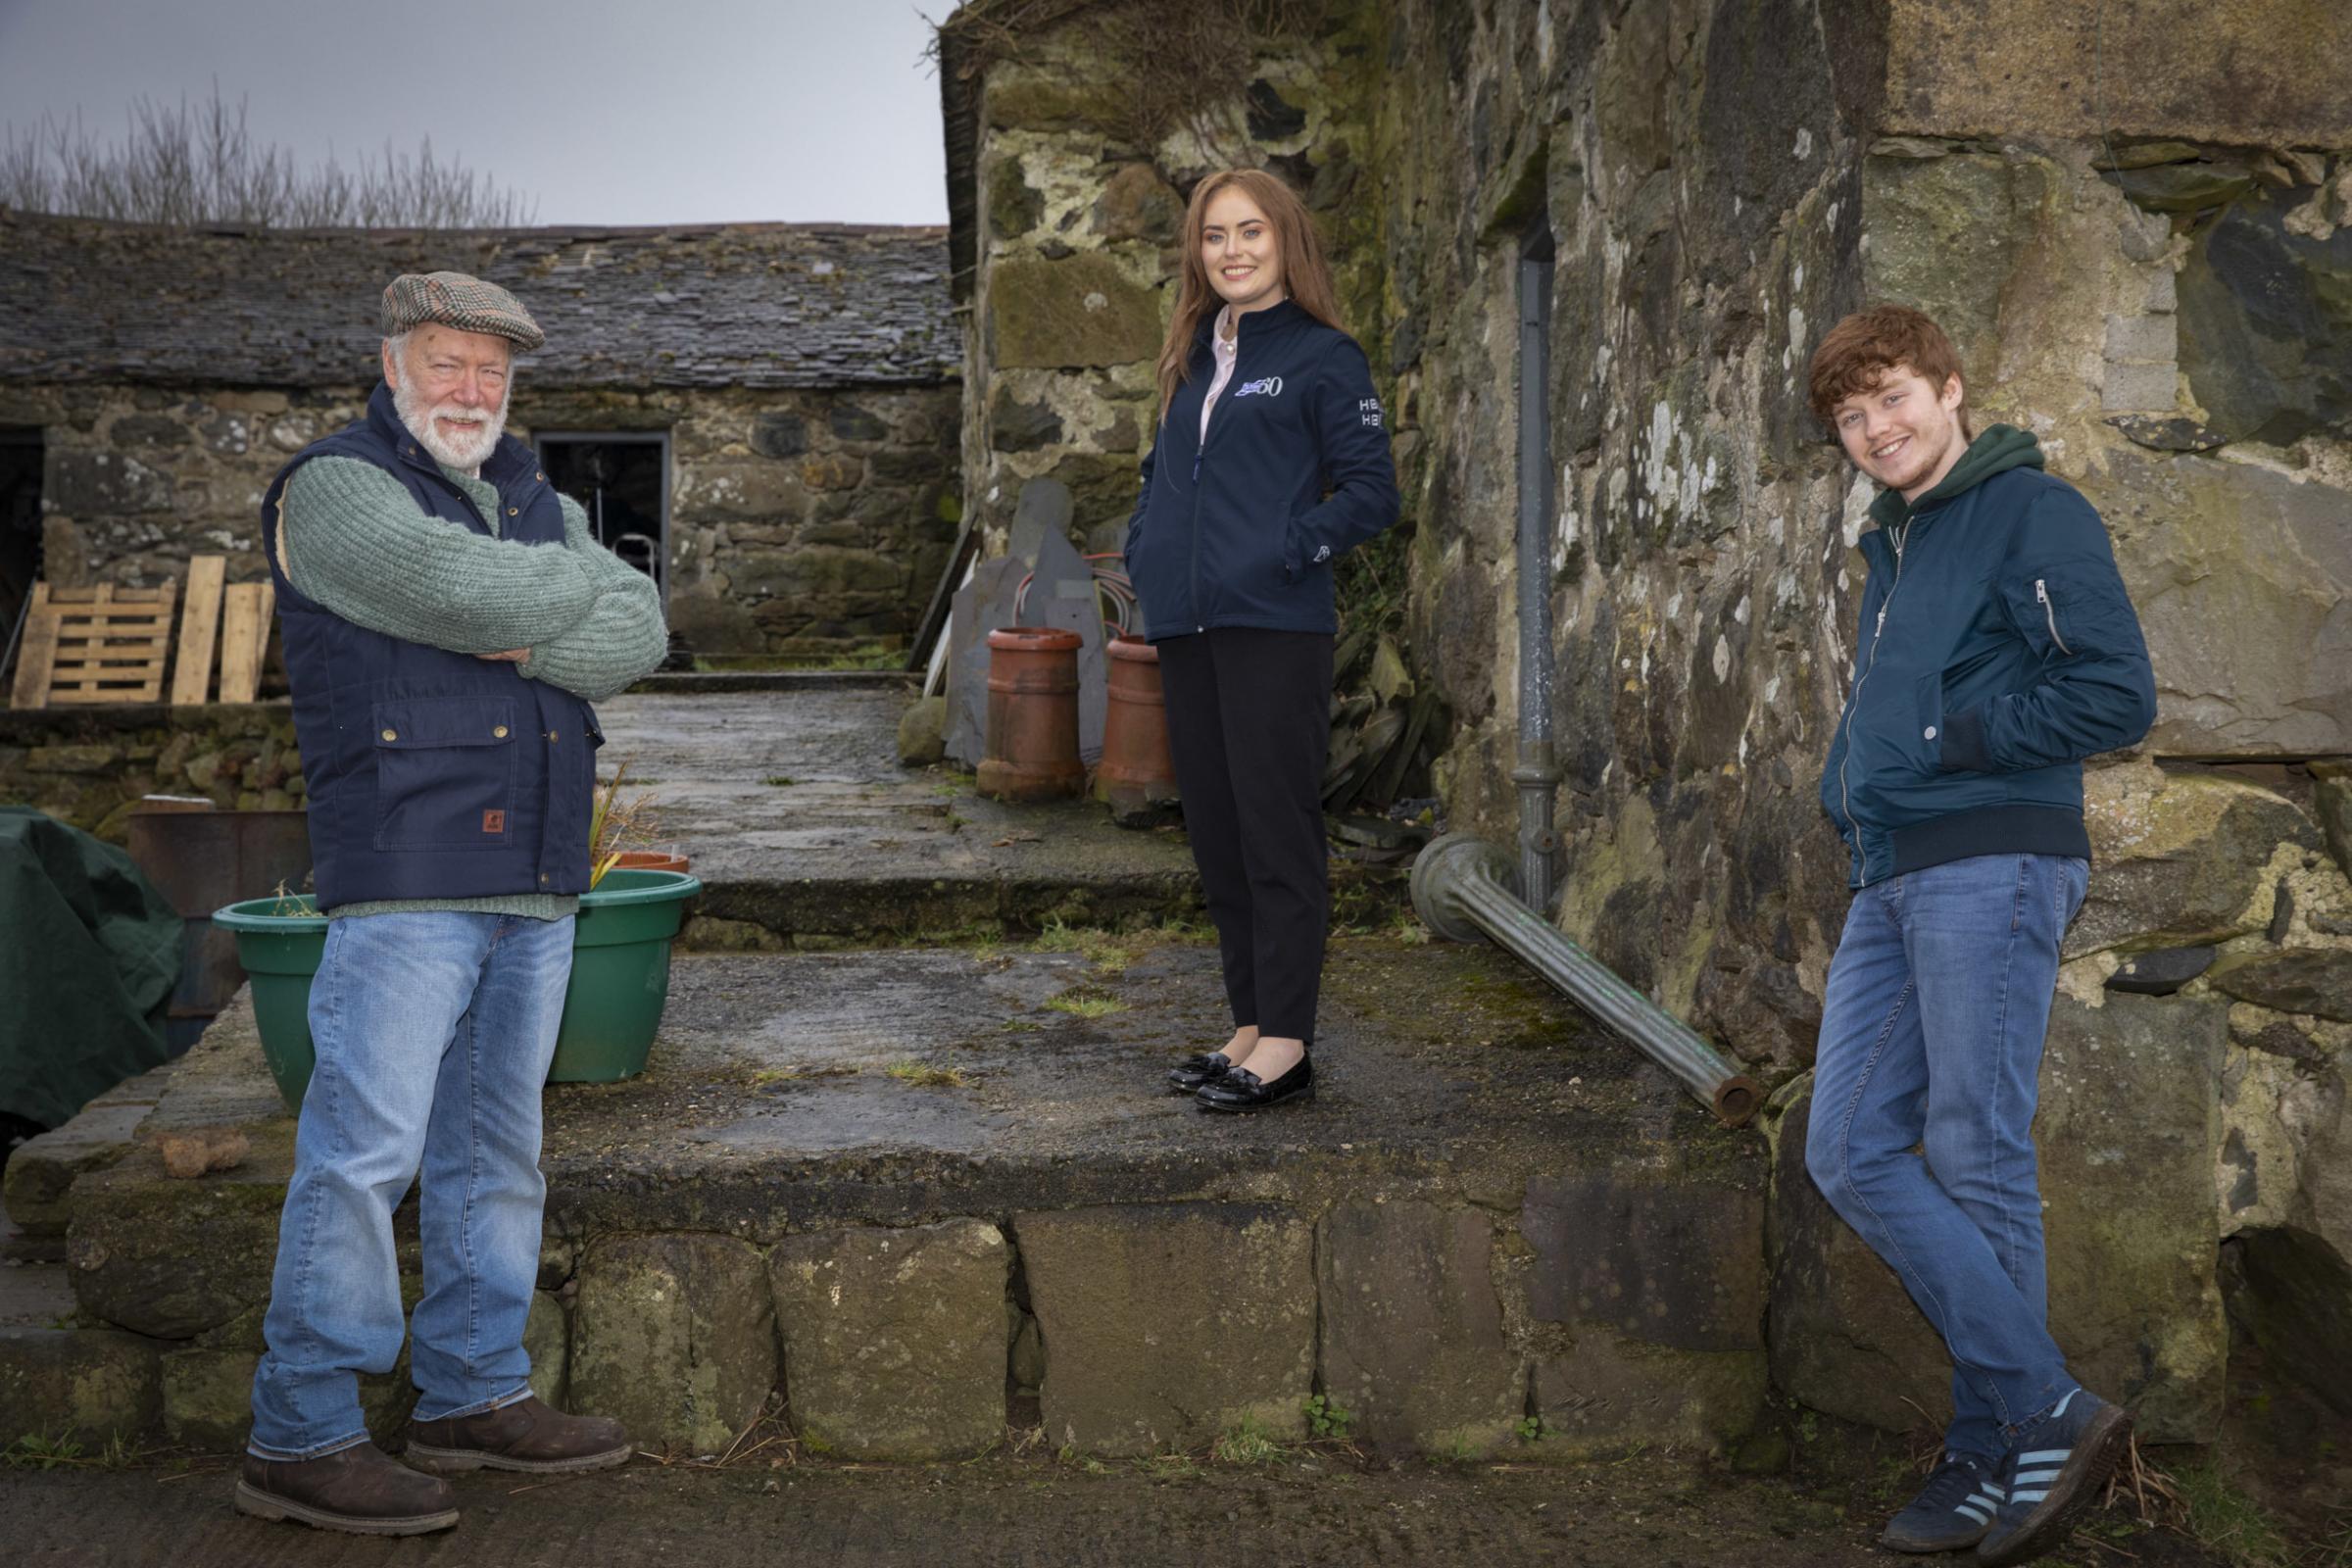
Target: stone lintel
2246, 73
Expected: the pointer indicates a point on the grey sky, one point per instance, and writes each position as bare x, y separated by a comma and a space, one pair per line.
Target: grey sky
607, 111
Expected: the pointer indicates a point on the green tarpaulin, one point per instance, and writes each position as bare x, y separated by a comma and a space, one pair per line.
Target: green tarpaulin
89, 953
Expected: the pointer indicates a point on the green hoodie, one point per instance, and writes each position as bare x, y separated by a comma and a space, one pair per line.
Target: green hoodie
1999, 449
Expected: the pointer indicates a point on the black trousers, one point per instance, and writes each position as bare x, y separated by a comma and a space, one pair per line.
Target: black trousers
1248, 727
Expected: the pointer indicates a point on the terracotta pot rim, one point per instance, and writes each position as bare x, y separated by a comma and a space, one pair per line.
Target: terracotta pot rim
1034, 639
651, 861
1133, 648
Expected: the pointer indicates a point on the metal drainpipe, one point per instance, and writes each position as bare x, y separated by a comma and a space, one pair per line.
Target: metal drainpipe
1461, 889
1537, 774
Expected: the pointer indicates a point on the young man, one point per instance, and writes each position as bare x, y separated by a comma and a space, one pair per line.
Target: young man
1997, 650
448, 619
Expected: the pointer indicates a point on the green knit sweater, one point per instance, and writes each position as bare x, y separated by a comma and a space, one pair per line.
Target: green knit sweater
356, 543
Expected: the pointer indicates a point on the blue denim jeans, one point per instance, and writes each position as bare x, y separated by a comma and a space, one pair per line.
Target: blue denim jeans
1931, 1037
433, 1032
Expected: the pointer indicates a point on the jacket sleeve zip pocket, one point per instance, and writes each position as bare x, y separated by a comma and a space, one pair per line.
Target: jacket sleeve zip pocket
2049, 613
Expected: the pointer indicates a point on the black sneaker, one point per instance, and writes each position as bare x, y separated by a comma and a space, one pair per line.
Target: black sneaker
1953, 1511
2055, 1472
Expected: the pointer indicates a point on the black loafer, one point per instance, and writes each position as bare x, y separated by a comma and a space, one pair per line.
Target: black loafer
1190, 1073
1242, 1089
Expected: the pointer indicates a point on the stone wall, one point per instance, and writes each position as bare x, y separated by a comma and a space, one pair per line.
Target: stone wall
802, 523
1078, 218
88, 766
2144, 254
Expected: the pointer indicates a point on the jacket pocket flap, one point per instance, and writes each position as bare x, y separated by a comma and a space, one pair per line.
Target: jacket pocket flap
420, 721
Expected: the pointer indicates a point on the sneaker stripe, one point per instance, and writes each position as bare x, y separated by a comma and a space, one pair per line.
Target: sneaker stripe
2038, 1478
1984, 1501
1974, 1512
2028, 1496
2043, 1456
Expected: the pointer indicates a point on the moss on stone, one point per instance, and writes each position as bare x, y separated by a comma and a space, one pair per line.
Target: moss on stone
1080, 311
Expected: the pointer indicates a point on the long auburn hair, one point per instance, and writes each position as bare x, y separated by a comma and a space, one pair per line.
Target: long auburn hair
1306, 274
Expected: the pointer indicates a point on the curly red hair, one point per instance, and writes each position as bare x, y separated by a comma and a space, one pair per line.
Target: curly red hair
1865, 348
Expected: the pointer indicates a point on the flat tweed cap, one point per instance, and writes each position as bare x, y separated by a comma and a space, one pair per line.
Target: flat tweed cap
453, 298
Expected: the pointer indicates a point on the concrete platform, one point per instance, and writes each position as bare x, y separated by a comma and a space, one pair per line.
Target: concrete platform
808, 832
946, 1182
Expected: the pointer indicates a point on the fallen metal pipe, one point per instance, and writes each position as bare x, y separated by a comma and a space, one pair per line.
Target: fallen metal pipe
1462, 890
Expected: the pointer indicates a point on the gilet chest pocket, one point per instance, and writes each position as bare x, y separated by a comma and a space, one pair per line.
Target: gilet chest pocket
444, 772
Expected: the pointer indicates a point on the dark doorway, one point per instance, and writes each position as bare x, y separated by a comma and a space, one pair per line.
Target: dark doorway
623, 482
20, 524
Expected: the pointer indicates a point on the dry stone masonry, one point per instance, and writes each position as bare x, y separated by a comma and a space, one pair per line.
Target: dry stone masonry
804, 376
2143, 257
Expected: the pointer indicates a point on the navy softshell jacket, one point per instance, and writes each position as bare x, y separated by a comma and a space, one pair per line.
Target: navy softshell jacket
1242, 530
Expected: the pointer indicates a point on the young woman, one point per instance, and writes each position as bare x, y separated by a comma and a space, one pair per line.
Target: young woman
1271, 462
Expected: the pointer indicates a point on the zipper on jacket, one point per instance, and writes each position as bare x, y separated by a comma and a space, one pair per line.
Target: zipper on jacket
1853, 705
2049, 613
1201, 450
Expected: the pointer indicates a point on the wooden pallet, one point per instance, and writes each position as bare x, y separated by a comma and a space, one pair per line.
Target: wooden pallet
199, 625
245, 614
94, 645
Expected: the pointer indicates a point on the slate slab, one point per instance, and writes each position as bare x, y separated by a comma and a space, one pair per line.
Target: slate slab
1664, 1258
1414, 1345
895, 1338
87, 1385
675, 1337
1135, 1303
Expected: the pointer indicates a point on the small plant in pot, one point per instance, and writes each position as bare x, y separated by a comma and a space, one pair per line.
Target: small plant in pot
621, 830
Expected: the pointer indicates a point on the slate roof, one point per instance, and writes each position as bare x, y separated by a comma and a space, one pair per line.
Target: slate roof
737, 305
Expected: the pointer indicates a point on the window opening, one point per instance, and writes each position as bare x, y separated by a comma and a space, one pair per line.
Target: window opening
21, 453
622, 482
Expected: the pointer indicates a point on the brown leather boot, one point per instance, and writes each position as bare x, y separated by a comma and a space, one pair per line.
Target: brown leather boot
357, 1490
523, 1435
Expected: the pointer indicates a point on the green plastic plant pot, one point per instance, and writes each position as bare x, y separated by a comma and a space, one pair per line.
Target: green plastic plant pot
619, 974
280, 940
612, 1009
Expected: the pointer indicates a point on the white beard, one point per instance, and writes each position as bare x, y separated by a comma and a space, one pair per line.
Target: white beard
467, 450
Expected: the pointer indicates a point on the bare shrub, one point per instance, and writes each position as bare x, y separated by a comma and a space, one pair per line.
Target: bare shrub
196, 166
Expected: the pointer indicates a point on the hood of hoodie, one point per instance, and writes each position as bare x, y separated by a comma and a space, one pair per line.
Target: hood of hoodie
2001, 448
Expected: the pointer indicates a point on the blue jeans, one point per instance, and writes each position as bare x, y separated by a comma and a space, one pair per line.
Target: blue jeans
1932, 1035
433, 1032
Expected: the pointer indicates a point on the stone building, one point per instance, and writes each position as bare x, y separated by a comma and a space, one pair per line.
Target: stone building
2146, 255
763, 415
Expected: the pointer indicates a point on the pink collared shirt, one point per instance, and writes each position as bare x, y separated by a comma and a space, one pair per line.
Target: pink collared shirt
1225, 349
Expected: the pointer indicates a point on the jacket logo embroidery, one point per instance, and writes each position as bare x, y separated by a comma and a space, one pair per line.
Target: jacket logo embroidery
1266, 387
1369, 410
494, 821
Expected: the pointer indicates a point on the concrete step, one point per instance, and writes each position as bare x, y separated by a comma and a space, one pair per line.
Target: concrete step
39, 1180
807, 832
60, 1383
921, 1192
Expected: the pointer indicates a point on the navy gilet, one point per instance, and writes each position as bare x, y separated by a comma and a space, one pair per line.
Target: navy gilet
433, 774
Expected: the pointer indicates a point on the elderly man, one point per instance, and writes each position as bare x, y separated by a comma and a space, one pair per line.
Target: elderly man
447, 619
